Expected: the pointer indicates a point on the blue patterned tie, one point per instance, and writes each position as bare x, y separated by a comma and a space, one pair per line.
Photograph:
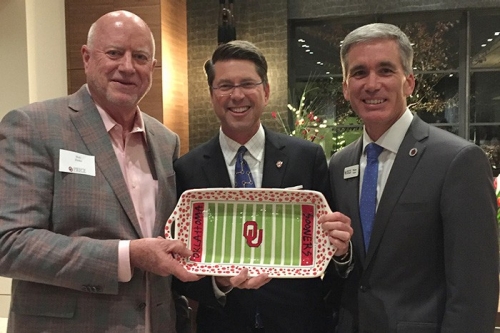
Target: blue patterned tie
243, 178
368, 201
242, 175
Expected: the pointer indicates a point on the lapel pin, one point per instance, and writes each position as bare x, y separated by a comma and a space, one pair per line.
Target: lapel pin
413, 152
279, 164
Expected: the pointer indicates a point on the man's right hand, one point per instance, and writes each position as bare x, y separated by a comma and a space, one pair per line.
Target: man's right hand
156, 255
242, 281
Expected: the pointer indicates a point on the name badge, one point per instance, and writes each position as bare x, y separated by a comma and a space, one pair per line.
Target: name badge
72, 162
351, 171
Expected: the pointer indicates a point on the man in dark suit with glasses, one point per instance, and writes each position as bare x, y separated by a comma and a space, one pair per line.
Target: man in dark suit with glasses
239, 90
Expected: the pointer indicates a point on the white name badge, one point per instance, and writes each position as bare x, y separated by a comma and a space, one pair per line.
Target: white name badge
351, 171
72, 162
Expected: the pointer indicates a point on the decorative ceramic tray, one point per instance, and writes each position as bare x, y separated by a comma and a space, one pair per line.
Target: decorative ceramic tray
272, 231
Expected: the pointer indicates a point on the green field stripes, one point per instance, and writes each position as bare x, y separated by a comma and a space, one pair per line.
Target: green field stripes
281, 225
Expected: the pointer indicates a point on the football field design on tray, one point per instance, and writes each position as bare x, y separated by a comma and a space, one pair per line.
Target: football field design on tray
273, 231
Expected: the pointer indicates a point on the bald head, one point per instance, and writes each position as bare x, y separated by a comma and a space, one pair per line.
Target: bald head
116, 20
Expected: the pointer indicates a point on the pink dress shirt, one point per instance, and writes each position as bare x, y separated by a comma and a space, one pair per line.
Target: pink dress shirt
130, 150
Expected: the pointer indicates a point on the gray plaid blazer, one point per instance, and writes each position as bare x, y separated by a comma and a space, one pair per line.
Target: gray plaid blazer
59, 232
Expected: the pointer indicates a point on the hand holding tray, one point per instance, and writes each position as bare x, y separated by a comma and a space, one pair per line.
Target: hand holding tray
272, 231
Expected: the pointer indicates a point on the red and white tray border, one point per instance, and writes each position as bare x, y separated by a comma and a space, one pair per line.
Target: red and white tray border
181, 217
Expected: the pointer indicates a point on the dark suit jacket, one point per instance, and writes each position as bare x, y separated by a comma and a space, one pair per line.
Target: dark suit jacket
432, 263
285, 305
59, 231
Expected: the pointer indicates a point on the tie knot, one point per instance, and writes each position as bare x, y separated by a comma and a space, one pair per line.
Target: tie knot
242, 150
373, 150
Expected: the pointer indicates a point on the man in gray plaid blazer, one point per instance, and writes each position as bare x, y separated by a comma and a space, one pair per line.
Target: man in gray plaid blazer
86, 185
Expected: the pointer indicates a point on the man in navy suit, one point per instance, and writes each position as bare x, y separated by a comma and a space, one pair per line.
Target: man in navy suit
431, 260
239, 89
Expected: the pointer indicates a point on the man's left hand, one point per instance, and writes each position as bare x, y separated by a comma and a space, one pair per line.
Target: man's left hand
339, 230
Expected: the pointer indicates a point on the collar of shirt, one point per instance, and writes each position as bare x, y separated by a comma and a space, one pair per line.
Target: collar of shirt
109, 122
390, 141
255, 146
393, 137
254, 156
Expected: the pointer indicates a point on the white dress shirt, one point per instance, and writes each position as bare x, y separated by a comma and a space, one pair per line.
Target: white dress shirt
390, 141
254, 156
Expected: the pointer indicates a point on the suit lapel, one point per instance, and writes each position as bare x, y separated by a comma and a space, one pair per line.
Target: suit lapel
275, 161
89, 125
406, 160
352, 196
215, 168
158, 170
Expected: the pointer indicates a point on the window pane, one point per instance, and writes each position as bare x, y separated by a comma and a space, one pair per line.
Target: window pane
435, 98
316, 47
485, 97
322, 96
488, 138
435, 38
485, 40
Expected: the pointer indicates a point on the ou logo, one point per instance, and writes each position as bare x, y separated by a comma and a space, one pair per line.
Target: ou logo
252, 234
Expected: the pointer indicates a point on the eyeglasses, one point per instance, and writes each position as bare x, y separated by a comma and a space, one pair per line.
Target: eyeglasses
227, 89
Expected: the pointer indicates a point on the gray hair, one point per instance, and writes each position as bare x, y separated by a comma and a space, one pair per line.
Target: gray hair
373, 31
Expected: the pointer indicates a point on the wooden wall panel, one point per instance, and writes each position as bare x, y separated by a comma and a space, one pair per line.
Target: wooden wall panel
79, 16
77, 79
152, 102
175, 77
